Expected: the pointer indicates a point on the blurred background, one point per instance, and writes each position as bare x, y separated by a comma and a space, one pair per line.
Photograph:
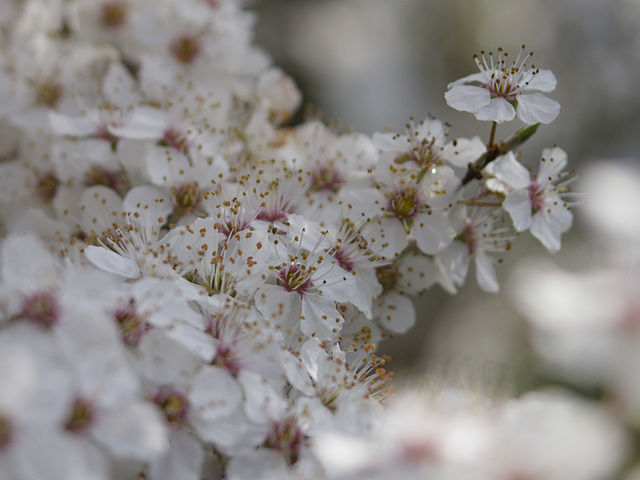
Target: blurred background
372, 64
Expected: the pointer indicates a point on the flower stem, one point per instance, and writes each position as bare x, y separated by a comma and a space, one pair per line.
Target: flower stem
474, 170
492, 135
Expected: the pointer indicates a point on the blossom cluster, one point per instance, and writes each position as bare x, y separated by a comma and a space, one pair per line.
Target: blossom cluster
190, 286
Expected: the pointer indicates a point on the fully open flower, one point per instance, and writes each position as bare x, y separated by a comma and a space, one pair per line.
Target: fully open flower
502, 90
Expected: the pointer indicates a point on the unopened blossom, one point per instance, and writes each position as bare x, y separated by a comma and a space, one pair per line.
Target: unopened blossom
503, 89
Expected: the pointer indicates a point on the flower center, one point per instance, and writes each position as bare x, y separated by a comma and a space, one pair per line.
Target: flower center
42, 309
185, 48
227, 359
99, 175
175, 139
469, 237
404, 204
132, 324
114, 14
287, 438
536, 196
186, 198
296, 277
82, 416
388, 276
326, 178
173, 404
46, 186
48, 93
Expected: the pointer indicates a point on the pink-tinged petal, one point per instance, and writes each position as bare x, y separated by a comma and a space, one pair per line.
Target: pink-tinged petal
486, 274
544, 81
432, 232
467, 98
548, 225
396, 312
518, 204
498, 110
536, 108
511, 172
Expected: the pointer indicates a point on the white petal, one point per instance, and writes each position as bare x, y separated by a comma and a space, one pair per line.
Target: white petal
498, 110
183, 460
133, 431
27, 263
396, 312
510, 171
548, 225
536, 108
463, 151
486, 274
467, 98
296, 373
555, 160
432, 233
111, 262
518, 204
119, 87
321, 317
145, 123
215, 393
417, 274
544, 80
77, 127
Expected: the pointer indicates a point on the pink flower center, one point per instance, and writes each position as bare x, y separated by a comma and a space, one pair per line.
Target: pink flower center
227, 359
132, 324
295, 278
173, 404
175, 139
536, 196
287, 438
42, 309
326, 178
